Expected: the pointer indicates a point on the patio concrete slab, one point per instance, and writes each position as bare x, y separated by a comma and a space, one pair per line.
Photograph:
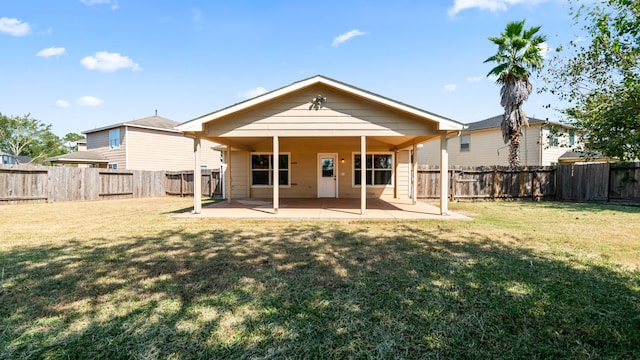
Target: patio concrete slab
327, 209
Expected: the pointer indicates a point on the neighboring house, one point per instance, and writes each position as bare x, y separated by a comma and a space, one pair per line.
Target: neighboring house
78, 145
327, 139
8, 159
150, 143
542, 143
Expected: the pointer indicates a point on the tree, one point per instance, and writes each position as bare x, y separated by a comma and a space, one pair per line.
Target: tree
598, 75
24, 135
71, 141
71, 137
518, 53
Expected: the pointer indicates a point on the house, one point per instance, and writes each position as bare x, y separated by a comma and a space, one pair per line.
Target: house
73, 146
9, 159
542, 143
150, 143
320, 138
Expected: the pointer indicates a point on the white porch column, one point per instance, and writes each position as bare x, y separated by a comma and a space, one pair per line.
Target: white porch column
363, 175
227, 174
197, 176
414, 174
276, 174
444, 175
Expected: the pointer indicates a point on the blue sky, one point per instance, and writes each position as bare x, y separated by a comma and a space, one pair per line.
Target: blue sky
82, 64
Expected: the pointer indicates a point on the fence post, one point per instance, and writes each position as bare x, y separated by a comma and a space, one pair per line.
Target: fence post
534, 182
181, 184
494, 189
452, 184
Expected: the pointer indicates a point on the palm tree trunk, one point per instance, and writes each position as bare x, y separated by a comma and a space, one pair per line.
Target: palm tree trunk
514, 150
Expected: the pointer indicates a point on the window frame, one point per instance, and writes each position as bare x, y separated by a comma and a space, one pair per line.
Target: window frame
468, 143
270, 169
112, 166
554, 139
373, 169
572, 138
112, 139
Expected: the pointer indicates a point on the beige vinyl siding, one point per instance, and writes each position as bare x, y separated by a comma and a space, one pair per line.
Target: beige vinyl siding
552, 153
240, 176
150, 149
99, 141
303, 154
486, 148
343, 115
403, 168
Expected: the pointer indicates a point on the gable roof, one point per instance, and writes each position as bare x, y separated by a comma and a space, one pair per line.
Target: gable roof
495, 121
151, 122
79, 157
196, 124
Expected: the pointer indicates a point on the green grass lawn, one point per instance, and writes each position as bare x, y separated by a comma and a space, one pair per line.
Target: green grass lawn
118, 279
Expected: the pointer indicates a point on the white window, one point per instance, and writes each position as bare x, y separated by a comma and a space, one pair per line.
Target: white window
114, 139
554, 141
465, 142
378, 169
112, 166
262, 169
572, 138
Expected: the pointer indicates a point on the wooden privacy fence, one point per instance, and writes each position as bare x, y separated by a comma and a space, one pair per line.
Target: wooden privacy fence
488, 182
600, 182
181, 183
28, 183
597, 182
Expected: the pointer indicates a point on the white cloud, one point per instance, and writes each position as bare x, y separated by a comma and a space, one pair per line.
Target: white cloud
491, 5
14, 27
251, 93
109, 62
451, 87
63, 104
475, 78
89, 101
52, 51
544, 49
113, 3
347, 36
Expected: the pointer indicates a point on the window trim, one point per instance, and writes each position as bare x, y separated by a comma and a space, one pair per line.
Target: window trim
113, 146
372, 153
270, 170
112, 166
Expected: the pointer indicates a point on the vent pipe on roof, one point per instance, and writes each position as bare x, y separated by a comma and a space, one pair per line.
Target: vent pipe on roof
156, 113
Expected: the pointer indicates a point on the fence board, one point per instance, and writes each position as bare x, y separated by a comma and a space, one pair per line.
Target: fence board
584, 182
624, 182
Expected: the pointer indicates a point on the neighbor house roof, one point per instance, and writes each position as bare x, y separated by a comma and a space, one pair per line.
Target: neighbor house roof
444, 123
495, 121
23, 159
584, 156
151, 122
79, 157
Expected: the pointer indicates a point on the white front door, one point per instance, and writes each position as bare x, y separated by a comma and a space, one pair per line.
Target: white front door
327, 175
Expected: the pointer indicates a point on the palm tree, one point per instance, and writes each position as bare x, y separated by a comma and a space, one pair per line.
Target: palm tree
519, 52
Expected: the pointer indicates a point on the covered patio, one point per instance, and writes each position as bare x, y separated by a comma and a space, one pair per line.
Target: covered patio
322, 209
319, 138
